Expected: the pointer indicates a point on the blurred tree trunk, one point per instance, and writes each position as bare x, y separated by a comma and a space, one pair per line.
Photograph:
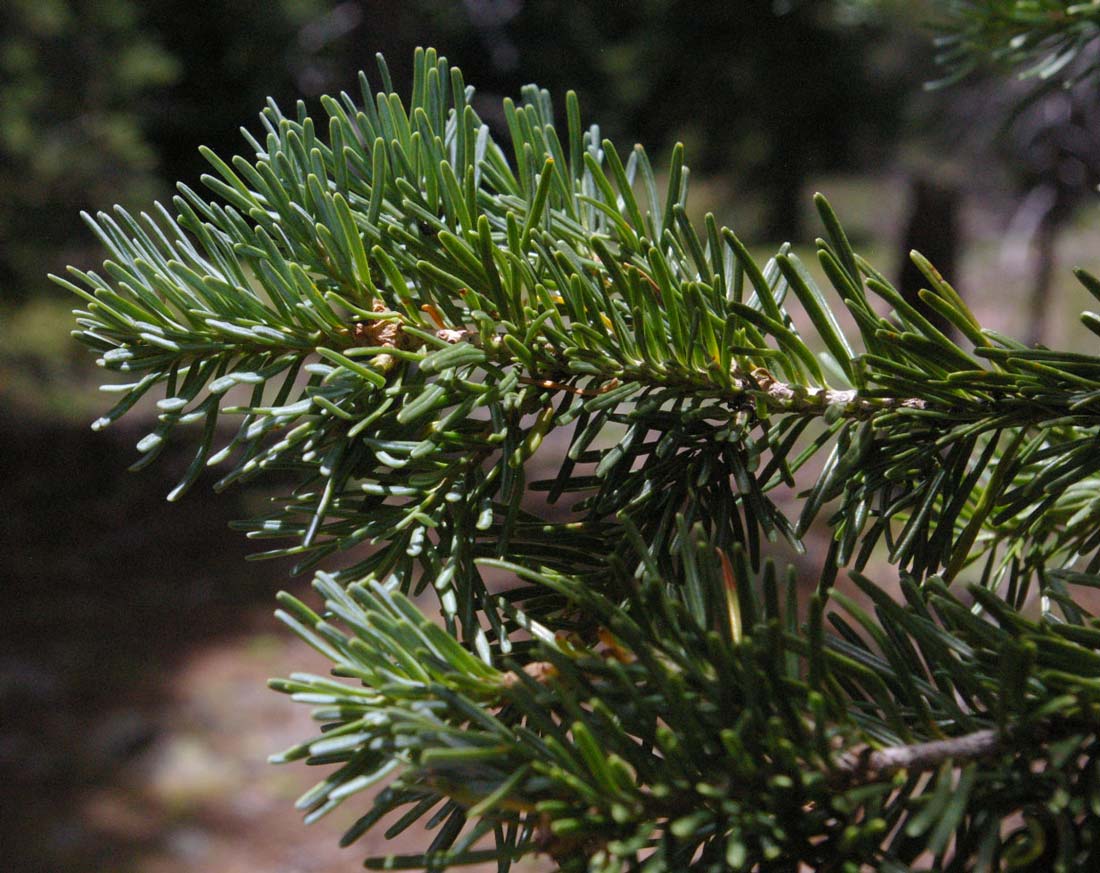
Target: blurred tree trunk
1046, 240
786, 175
932, 228
1030, 248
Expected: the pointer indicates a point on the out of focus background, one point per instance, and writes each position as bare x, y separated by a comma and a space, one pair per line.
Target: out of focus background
134, 639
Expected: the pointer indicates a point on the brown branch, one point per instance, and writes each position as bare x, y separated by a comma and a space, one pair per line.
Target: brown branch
869, 765
759, 384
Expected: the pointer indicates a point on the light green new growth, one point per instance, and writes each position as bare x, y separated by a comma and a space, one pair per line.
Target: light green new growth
401, 312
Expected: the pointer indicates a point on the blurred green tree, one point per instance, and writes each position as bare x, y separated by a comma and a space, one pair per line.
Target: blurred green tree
778, 90
101, 101
77, 78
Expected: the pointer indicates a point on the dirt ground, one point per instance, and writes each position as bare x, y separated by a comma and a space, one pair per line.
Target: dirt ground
134, 719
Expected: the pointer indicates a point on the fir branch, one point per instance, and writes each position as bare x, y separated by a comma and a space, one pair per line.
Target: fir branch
410, 290
1045, 40
517, 746
402, 312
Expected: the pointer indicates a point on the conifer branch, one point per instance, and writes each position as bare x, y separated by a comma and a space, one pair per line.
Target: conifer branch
401, 313
1045, 41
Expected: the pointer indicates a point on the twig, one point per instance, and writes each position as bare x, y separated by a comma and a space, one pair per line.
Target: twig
870, 764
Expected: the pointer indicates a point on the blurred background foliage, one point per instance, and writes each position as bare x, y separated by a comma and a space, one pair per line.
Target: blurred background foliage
107, 101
